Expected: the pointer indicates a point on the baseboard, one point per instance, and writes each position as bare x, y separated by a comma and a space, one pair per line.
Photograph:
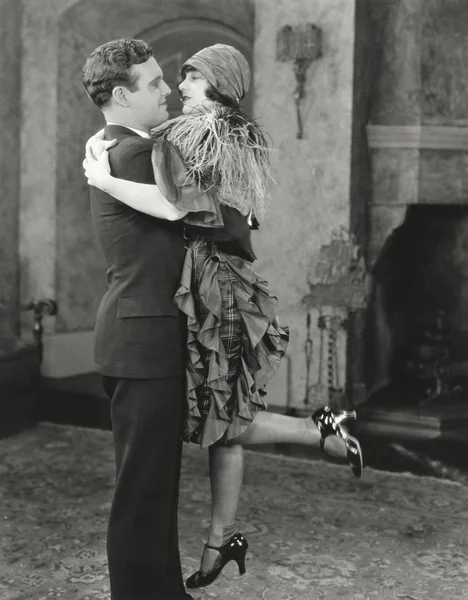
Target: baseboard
18, 404
68, 354
79, 400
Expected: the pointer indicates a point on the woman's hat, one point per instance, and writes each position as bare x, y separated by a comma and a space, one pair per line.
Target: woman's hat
225, 68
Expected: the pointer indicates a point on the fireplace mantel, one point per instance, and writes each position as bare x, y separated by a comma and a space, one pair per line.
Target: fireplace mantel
413, 164
428, 137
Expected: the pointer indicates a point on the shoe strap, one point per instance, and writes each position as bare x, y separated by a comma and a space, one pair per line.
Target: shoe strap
218, 548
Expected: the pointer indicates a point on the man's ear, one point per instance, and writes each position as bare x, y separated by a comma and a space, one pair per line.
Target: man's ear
120, 95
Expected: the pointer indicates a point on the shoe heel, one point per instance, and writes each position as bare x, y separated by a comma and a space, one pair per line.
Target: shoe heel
354, 453
241, 565
234, 549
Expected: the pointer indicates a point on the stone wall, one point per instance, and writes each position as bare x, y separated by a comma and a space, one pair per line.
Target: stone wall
311, 196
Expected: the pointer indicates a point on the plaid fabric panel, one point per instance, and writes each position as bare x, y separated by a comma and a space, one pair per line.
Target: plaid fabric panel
231, 325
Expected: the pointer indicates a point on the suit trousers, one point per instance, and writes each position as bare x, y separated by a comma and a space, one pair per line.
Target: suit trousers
142, 539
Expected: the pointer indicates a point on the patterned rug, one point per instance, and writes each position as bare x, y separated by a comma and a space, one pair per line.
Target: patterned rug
315, 532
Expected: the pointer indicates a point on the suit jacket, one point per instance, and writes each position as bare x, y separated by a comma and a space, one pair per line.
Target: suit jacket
139, 331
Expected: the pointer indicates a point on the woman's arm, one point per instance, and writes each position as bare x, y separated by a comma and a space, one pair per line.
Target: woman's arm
145, 198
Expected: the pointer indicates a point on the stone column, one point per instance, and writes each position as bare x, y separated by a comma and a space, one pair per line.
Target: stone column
38, 156
418, 134
395, 110
10, 115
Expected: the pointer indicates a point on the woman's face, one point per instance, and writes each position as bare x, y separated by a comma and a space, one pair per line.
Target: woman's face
193, 93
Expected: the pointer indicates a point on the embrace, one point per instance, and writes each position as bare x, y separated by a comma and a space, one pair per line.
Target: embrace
187, 334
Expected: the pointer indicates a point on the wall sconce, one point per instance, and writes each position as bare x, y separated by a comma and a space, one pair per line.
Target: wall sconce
301, 44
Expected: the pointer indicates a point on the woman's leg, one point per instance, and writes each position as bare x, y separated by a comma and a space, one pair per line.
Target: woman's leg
226, 464
226, 471
271, 428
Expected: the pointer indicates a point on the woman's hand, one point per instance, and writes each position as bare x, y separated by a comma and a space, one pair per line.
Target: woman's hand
97, 172
96, 164
96, 145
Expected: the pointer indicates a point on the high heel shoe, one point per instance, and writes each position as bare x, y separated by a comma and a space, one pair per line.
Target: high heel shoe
328, 422
234, 549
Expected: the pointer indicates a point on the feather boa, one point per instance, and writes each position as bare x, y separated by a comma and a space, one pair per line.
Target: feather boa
225, 150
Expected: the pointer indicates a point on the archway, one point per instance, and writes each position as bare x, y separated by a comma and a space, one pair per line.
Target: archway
173, 26
174, 42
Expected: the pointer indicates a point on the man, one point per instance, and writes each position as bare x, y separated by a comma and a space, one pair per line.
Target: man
140, 334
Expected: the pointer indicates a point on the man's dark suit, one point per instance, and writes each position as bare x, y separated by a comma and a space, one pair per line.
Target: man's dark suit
140, 352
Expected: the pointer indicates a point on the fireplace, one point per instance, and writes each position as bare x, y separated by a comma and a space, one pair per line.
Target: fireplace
416, 356
417, 326
410, 214
419, 307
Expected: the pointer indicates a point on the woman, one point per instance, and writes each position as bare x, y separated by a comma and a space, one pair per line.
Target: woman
212, 163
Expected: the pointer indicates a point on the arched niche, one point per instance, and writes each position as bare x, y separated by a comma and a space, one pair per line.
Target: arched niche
61, 257
175, 41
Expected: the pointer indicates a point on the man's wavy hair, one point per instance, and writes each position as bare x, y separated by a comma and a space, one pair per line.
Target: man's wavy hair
110, 66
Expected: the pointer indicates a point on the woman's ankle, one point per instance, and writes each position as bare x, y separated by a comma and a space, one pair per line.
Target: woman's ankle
219, 536
228, 532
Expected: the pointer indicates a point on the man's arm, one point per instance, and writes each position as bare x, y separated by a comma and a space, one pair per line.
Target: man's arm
130, 163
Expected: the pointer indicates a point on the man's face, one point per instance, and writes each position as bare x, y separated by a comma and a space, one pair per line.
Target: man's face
193, 92
148, 101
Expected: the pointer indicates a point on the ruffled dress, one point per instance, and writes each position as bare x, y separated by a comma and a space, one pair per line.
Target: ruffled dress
234, 340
